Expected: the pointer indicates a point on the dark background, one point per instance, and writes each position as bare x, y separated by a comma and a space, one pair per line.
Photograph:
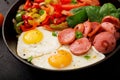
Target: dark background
12, 69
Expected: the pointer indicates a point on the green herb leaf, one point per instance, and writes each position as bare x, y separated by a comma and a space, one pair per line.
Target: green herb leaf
41, 12
78, 34
93, 13
74, 1
54, 33
118, 11
30, 59
87, 57
108, 9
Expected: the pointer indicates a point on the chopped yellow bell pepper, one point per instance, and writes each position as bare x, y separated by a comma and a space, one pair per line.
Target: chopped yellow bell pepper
47, 1
35, 15
42, 17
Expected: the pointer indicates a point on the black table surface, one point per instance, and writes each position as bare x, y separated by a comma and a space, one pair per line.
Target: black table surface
13, 69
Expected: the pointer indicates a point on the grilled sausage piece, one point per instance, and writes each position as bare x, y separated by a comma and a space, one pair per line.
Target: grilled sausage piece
80, 46
112, 20
107, 26
104, 42
66, 36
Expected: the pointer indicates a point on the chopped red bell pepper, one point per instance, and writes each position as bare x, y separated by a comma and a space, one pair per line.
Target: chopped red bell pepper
65, 1
38, 1
36, 5
71, 6
57, 7
26, 17
46, 21
60, 20
27, 26
48, 27
27, 5
57, 14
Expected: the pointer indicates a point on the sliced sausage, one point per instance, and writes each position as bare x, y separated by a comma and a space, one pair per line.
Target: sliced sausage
79, 27
80, 46
95, 28
104, 42
117, 35
66, 36
112, 20
88, 28
107, 26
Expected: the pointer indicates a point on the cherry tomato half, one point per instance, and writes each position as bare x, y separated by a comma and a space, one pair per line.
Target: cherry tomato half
1, 19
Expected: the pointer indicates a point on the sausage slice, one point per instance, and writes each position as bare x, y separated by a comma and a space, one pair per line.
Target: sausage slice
107, 26
80, 46
112, 20
66, 36
104, 42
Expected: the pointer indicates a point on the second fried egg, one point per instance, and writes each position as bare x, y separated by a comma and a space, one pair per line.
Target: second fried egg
63, 59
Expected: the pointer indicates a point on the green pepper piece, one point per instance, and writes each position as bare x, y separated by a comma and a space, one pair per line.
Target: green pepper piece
17, 27
18, 16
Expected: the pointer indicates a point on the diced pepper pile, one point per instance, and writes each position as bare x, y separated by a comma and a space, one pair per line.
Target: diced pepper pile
50, 14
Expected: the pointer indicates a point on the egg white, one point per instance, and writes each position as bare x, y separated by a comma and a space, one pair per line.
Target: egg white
49, 43
77, 61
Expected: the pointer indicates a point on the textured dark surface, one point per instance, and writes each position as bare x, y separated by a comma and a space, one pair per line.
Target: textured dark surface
12, 69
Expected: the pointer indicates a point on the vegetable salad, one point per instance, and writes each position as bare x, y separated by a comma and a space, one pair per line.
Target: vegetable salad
54, 14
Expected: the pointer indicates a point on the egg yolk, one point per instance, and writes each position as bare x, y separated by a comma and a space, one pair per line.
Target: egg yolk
61, 59
32, 36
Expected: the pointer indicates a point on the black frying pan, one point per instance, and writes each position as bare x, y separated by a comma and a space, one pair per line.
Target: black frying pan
9, 34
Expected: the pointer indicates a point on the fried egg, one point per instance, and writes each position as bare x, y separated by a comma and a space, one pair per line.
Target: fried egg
36, 43
63, 59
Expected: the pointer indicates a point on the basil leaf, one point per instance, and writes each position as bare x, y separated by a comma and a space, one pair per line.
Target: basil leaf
118, 11
75, 10
77, 18
93, 13
108, 9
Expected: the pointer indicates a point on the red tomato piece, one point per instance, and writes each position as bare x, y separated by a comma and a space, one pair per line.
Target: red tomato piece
1, 19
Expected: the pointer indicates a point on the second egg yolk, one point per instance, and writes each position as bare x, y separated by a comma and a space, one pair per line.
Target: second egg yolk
61, 59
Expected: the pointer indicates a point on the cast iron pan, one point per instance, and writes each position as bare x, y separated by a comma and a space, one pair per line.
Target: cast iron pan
9, 34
